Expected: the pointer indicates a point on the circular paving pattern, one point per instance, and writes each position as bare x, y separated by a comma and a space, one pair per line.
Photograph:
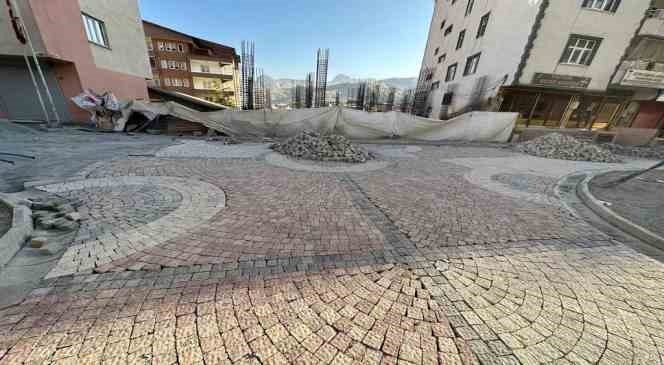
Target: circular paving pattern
198, 201
410, 264
107, 210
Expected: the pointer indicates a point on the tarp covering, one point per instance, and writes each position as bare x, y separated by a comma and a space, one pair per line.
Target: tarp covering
474, 126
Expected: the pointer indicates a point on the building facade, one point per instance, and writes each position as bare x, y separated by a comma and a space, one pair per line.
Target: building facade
558, 63
81, 44
192, 66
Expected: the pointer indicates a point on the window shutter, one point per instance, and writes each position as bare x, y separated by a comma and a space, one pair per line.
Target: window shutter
586, 3
592, 55
567, 51
616, 4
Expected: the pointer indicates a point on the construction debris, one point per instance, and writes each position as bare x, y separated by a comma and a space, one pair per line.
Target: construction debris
650, 153
562, 147
313, 146
105, 109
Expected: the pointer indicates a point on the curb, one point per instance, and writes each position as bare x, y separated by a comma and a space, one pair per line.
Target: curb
610, 216
21, 230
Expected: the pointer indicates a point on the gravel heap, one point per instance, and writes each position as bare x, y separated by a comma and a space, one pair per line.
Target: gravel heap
561, 147
317, 147
651, 153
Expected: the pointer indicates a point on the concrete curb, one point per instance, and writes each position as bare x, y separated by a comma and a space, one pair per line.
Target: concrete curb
610, 216
21, 230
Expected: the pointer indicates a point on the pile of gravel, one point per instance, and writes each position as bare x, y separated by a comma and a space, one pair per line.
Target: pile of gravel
317, 147
561, 147
651, 152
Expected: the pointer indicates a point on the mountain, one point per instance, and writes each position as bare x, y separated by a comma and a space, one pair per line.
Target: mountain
281, 89
342, 79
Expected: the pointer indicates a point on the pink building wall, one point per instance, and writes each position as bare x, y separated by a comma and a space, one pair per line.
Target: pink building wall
650, 114
63, 34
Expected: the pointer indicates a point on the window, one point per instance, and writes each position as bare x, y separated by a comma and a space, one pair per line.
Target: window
182, 48
149, 43
441, 59
205, 68
447, 99
436, 51
442, 25
167, 81
157, 82
469, 7
95, 30
172, 65
182, 66
185, 82
603, 5
160, 46
448, 30
153, 62
164, 64
451, 73
435, 85
484, 22
171, 47
462, 36
471, 64
580, 50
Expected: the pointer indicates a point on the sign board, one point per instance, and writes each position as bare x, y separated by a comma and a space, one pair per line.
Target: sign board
643, 78
564, 81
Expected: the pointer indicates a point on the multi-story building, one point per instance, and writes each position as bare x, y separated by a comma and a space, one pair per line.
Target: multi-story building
81, 44
557, 63
192, 66
642, 72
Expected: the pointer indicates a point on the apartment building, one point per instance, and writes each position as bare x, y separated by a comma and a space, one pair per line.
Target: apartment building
81, 44
192, 66
557, 63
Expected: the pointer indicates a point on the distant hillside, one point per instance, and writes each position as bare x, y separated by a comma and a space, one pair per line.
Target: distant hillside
281, 89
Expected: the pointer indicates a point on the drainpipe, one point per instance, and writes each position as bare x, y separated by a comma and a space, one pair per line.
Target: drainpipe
39, 69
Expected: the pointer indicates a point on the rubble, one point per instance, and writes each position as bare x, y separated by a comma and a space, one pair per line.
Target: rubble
317, 147
650, 152
562, 147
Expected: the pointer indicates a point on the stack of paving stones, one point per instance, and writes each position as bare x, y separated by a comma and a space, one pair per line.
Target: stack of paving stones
317, 147
651, 152
561, 147
54, 213
6, 217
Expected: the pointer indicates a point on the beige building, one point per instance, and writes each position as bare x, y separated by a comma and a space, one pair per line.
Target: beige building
193, 66
554, 62
81, 44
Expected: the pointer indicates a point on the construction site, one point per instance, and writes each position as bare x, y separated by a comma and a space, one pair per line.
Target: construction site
164, 210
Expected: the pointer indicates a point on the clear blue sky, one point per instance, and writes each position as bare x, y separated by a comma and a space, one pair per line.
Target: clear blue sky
366, 38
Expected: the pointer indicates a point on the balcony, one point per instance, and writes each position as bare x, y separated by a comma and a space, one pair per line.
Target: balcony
651, 79
654, 24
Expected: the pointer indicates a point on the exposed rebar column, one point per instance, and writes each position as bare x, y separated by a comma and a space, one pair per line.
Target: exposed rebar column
309, 92
248, 75
321, 77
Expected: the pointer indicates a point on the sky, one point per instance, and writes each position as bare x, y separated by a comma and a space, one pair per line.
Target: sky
367, 38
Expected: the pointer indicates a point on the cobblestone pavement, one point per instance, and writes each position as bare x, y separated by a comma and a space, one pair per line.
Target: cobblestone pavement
6, 218
414, 263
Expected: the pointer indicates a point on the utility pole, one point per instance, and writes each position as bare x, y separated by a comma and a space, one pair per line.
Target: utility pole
19, 19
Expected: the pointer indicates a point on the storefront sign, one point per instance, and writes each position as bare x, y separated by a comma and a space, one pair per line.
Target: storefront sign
564, 81
644, 78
